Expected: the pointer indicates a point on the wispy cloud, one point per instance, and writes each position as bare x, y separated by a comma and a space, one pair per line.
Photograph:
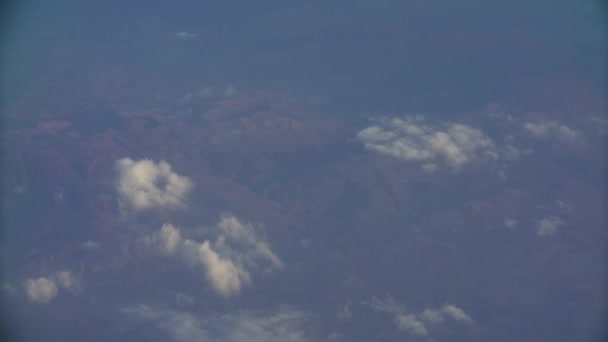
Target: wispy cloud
550, 128
278, 325
418, 324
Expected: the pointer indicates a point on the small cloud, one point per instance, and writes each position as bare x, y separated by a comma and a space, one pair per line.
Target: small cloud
183, 35
183, 299
45, 289
166, 239
546, 129
225, 275
145, 185
411, 140
456, 314
565, 206
429, 168
432, 316
548, 226
90, 245
40, 290
205, 92
410, 324
184, 100
67, 280
510, 223
419, 324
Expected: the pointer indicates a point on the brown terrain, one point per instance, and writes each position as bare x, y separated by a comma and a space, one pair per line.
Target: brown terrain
260, 155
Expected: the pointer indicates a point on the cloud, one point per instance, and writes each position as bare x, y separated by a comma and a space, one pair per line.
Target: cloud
456, 314
548, 226
410, 324
45, 289
245, 234
510, 223
40, 290
411, 140
66, 280
279, 325
225, 275
145, 185
418, 324
546, 129
431, 316
90, 245
238, 250
168, 238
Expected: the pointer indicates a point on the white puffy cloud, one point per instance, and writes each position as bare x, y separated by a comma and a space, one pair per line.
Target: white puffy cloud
418, 324
546, 129
145, 184
40, 290
410, 139
45, 289
239, 248
278, 325
547, 226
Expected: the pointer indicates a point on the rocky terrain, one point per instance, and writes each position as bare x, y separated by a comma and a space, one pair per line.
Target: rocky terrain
306, 177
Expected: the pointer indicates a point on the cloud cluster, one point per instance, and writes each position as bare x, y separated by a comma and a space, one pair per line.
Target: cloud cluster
145, 184
419, 324
44, 289
279, 325
547, 226
546, 129
238, 249
411, 140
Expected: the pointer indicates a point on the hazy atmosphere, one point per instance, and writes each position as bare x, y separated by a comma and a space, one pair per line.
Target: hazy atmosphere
303, 170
